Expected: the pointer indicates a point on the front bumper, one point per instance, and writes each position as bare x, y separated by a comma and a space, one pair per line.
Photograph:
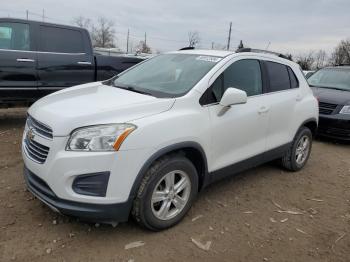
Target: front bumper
106, 213
334, 126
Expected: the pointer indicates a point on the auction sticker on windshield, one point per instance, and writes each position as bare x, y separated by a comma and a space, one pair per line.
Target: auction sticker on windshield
212, 59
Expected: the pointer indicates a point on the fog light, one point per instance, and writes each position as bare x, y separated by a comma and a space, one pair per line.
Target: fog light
91, 184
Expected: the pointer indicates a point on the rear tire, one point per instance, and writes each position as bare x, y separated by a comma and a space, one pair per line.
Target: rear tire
299, 152
166, 193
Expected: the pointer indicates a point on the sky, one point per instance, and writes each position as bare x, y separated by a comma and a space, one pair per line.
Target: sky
286, 26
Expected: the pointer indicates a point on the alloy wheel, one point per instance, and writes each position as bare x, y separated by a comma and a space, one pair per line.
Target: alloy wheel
302, 150
171, 195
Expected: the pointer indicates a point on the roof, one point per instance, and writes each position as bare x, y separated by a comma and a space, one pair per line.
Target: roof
19, 20
209, 52
223, 53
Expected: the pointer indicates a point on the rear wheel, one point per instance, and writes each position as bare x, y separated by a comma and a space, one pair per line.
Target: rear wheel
299, 152
166, 193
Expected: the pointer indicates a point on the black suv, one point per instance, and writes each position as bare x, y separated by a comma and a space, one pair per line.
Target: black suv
331, 86
38, 58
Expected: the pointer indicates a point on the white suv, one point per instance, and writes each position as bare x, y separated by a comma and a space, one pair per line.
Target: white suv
147, 141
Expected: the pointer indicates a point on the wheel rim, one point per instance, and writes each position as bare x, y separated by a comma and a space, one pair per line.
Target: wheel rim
302, 150
171, 195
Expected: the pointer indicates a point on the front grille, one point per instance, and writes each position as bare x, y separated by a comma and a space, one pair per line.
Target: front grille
336, 131
36, 151
327, 108
39, 128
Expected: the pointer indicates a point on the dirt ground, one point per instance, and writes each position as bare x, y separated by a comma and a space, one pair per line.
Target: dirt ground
265, 214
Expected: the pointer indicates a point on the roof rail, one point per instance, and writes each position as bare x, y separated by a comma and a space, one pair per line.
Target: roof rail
187, 48
248, 50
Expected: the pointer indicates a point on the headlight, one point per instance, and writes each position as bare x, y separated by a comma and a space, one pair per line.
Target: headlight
99, 138
345, 110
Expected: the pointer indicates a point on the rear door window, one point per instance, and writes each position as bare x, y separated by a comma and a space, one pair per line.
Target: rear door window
14, 36
60, 40
278, 76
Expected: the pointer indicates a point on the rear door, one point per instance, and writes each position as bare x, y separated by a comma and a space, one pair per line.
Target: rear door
65, 58
18, 78
282, 96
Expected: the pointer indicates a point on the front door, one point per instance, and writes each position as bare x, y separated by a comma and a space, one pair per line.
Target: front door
239, 132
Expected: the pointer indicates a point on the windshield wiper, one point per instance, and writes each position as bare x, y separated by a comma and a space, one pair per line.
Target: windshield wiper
133, 89
329, 87
337, 88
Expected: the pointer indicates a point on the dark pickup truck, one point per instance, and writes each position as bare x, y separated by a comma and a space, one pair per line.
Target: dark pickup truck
38, 58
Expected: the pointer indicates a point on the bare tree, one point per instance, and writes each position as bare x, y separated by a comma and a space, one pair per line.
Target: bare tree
341, 54
142, 47
193, 38
83, 22
289, 56
103, 33
320, 58
306, 61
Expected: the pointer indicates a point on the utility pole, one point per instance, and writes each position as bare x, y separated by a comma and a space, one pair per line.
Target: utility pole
268, 45
229, 37
127, 43
27, 14
43, 15
145, 39
212, 45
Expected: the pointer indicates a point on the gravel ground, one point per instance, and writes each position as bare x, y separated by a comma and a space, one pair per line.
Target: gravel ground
264, 214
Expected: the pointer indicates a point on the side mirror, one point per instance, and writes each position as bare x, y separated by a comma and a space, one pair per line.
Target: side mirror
233, 96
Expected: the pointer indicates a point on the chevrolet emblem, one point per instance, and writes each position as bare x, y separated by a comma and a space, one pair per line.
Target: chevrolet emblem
30, 134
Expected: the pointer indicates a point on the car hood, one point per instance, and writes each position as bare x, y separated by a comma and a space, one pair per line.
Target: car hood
332, 96
93, 104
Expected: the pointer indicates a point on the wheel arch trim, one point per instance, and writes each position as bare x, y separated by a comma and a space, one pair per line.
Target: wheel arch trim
164, 151
310, 120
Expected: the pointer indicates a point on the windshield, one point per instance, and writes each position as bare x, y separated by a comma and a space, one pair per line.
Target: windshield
336, 78
168, 75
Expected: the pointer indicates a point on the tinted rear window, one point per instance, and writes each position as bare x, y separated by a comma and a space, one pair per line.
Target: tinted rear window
60, 40
278, 76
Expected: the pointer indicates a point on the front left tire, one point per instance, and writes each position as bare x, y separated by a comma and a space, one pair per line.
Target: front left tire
166, 193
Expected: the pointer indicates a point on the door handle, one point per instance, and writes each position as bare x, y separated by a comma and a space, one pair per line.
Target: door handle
263, 109
25, 60
84, 63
